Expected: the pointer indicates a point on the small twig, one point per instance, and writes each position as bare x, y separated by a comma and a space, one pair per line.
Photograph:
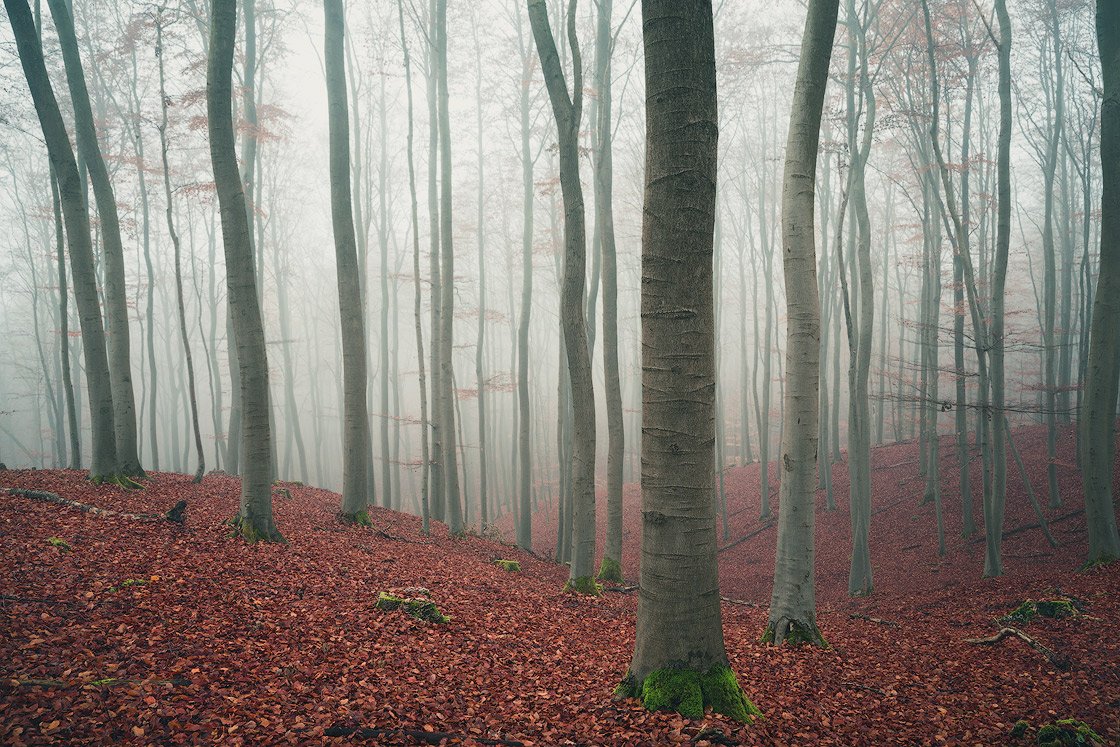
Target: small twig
741, 540
869, 689
395, 538
419, 735
621, 589
741, 602
1058, 660
10, 598
876, 620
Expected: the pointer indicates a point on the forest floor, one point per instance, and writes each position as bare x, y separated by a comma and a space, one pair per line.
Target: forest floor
150, 632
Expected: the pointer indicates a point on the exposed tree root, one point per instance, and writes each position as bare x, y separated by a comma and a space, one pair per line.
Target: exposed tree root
175, 514
1058, 660
419, 735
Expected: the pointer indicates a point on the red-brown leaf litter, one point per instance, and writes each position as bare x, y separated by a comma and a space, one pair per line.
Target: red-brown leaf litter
146, 632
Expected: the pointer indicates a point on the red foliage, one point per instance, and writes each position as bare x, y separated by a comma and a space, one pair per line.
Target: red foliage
235, 644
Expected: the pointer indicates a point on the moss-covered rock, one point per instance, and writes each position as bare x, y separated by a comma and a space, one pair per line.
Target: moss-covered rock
1020, 728
61, 544
610, 570
1055, 609
508, 565
688, 692
1068, 732
583, 585
419, 607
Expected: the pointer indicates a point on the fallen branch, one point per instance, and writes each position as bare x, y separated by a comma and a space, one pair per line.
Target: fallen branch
621, 589
741, 602
174, 515
424, 737
1028, 527
893, 466
108, 682
395, 538
876, 620
741, 540
1058, 660
869, 689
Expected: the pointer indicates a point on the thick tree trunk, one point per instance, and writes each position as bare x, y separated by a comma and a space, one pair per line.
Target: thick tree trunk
254, 518
567, 111
1099, 415
355, 450
793, 615
104, 465
116, 308
679, 626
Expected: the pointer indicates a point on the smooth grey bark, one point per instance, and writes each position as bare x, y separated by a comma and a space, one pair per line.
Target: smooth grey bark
447, 400
75, 460
567, 110
116, 302
611, 566
355, 451
1103, 367
104, 465
255, 521
480, 340
678, 622
170, 215
524, 424
436, 426
793, 614
425, 509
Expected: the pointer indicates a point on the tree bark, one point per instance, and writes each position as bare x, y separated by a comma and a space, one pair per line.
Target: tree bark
793, 612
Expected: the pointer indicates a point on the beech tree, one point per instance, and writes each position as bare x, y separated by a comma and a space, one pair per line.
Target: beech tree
254, 519
355, 450
680, 662
567, 109
793, 614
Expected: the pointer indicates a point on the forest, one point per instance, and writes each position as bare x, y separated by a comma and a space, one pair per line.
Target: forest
559, 372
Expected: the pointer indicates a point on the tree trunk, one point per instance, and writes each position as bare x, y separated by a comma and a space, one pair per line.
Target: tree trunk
255, 520
793, 615
116, 308
104, 465
524, 429
355, 451
1099, 416
679, 626
567, 111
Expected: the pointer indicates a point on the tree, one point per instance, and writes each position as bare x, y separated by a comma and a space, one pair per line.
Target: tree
567, 111
103, 466
611, 567
254, 519
170, 213
793, 602
355, 451
116, 308
1098, 416
680, 662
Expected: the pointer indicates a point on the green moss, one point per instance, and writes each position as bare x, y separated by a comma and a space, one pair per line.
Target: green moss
252, 534
509, 565
1055, 609
610, 570
1066, 732
688, 692
128, 582
1020, 728
107, 682
1105, 560
584, 585
418, 607
360, 519
61, 544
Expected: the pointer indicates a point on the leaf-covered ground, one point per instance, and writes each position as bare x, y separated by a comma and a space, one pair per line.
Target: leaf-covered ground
226, 643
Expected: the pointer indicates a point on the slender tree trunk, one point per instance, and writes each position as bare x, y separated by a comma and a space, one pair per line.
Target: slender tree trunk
170, 213
104, 465
254, 518
793, 602
524, 425
567, 111
116, 302
355, 450
64, 328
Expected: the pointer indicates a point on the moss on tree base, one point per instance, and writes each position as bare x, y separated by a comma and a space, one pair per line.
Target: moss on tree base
122, 481
793, 633
583, 585
253, 534
360, 519
688, 692
610, 570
